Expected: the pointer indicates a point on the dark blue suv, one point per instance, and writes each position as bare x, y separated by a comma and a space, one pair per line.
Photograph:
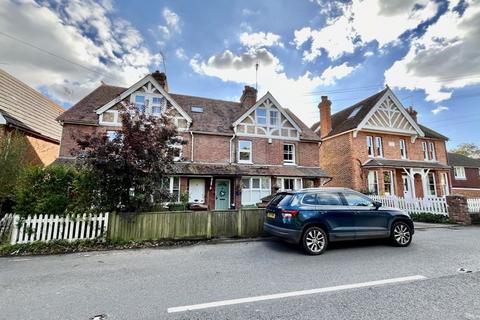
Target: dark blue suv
315, 217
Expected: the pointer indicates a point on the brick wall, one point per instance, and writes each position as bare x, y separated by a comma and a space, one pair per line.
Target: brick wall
72, 132
336, 159
210, 148
472, 179
469, 193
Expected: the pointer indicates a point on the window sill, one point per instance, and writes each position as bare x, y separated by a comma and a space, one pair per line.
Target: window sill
244, 162
289, 164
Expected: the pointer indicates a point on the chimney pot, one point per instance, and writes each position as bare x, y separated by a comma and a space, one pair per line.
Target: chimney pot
412, 113
325, 116
249, 96
161, 78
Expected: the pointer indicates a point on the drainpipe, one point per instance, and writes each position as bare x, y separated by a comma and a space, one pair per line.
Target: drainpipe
191, 147
231, 140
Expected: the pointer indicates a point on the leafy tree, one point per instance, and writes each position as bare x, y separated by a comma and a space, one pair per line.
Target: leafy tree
13, 149
467, 149
130, 167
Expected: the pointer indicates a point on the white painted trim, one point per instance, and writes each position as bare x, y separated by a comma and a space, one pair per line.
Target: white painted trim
277, 105
403, 111
341, 133
295, 293
463, 188
250, 152
2, 119
137, 86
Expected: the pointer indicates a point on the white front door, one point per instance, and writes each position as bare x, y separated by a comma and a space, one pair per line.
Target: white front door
407, 186
196, 191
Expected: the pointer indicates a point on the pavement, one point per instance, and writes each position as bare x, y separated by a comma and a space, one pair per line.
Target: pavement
437, 277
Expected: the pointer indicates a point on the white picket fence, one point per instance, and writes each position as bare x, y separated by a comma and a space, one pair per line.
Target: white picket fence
473, 205
47, 227
5, 224
435, 205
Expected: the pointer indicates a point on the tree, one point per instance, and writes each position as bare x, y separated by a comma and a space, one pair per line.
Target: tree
468, 149
13, 149
131, 168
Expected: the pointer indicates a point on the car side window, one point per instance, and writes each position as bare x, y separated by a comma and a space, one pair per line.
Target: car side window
356, 200
329, 199
309, 199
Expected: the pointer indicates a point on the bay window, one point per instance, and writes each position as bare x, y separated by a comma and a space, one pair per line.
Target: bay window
254, 189
287, 183
172, 184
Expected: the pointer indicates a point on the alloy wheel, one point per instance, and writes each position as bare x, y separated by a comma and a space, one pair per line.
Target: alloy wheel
315, 240
401, 234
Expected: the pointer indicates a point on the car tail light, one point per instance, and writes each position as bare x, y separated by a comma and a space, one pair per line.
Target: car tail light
286, 214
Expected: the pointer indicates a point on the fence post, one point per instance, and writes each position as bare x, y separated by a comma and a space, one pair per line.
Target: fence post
239, 222
16, 219
209, 225
458, 209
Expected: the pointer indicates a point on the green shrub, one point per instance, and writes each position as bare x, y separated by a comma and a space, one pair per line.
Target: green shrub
58, 190
430, 218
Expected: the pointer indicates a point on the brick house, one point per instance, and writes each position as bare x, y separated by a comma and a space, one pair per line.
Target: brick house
378, 146
466, 175
25, 110
235, 153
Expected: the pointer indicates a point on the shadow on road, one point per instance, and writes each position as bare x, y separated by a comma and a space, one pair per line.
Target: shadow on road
290, 248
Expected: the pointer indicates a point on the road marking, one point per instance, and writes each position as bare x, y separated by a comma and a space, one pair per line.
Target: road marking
294, 294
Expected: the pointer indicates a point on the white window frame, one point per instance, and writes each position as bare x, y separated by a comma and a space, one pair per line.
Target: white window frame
293, 161
277, 118
180, 148
431, 174
250, 195
370, 147
392, 183
444, 183
403, 149
297, 183
250, 152
111, 134
379, 146
115, 121
372, 180
265, 118
148, 98
425, 150
432, 152
172, 187
459, 173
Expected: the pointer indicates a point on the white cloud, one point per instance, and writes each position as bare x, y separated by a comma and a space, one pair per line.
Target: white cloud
361, 22
260, 39
248, 12
172, 19
180, 54
292, 93
439, 109
444, 58
113, 50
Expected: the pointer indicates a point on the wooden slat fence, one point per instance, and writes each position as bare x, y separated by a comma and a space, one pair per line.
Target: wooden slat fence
473, 205
435, 205
5, 225
187, 225
46, 227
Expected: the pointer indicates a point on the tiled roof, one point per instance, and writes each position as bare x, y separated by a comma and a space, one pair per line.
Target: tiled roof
217, 115
377, 163
248, 170
26, 108
341, 121
455, 159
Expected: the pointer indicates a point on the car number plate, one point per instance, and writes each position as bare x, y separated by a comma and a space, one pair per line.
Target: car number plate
271, 215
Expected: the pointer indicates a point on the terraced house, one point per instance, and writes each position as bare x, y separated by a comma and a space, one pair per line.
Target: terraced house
235, 153
378, 146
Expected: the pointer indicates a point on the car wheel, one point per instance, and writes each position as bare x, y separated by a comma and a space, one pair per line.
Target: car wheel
315, 241
401, 234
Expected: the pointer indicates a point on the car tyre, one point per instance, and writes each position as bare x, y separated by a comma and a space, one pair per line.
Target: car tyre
401, 235
314, 241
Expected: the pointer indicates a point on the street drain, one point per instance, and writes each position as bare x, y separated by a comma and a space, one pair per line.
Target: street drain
463, 270
99, 317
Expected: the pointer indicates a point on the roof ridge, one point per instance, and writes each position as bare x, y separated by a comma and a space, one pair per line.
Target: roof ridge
205, 98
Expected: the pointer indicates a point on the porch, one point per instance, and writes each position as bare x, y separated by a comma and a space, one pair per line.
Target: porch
229, 186
409, 179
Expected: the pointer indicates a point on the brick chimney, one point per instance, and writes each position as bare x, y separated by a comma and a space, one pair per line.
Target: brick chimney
412, 113
161, 78
325, 116
249, 96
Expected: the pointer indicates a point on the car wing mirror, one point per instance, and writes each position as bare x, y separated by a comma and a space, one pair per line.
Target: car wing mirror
377, 204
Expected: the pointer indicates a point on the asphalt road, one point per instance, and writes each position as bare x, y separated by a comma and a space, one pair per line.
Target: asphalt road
145, 284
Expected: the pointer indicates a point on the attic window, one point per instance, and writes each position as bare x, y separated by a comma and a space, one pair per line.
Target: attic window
198, 109
354, 112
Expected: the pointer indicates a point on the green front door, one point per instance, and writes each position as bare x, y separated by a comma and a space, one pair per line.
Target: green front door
222, 194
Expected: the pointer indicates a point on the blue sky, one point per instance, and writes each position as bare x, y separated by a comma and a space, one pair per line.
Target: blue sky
427, 51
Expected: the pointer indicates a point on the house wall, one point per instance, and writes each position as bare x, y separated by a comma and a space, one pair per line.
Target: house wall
472, 179
39, 150
72, 132
337, 160
466, 192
